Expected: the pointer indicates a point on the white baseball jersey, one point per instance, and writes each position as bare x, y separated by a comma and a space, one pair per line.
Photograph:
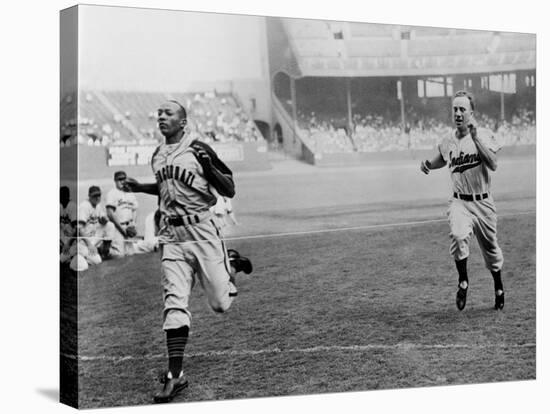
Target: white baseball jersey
469, 174
124, 203
90, 215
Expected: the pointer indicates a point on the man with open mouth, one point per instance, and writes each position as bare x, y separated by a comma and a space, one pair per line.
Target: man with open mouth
471, 156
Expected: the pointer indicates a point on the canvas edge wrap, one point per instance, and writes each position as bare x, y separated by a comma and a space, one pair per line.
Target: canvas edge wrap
68, 358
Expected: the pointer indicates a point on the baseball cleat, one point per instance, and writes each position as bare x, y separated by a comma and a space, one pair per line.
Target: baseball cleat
461, 297
172, 387
240, 263
105, 250
499, 300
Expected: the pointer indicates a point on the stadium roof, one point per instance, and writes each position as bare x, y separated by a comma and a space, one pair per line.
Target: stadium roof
326, 48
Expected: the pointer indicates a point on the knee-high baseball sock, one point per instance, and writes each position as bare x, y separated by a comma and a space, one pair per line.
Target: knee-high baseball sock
498, 281
461, 266
175, 341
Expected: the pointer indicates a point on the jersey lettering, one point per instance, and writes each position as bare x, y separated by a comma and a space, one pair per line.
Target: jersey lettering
463, 162
170, 173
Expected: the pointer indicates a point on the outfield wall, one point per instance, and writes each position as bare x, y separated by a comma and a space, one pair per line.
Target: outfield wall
358, 158
97, 162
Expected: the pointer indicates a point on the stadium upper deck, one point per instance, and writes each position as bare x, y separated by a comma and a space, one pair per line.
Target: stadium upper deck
325, 48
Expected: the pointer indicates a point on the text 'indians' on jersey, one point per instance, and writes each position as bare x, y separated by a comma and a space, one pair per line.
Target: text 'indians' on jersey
464, 162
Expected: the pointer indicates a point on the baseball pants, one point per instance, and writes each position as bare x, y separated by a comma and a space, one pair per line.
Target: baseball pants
475, 217
201, 255
102, 232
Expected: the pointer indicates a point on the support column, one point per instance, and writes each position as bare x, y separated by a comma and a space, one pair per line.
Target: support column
350, 114
502, 114
294, 110
402, 101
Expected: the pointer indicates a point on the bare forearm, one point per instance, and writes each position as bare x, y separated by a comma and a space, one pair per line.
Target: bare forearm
436, 163
114, 220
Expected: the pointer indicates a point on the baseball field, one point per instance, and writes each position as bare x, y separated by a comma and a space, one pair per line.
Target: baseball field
353, 289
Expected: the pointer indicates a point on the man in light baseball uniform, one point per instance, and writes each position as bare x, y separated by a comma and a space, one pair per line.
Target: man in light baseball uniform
121, 207
94, 226
471, 156
190, 243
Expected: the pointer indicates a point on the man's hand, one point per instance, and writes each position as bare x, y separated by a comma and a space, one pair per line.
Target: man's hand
472, 127
131, 232
425, 166
204, 159
130, 184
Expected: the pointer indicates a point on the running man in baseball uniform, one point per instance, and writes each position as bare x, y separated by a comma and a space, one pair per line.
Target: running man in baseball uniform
121, 207
190, 243
471, 156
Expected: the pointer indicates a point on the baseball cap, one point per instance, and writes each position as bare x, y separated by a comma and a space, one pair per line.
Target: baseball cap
120, 175
94, 191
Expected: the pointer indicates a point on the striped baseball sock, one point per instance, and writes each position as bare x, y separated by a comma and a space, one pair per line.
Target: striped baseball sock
175, 341
462, 267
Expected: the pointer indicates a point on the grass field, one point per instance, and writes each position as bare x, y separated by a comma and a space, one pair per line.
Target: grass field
353, 289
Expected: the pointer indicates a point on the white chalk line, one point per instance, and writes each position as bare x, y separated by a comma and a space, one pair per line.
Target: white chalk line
365, 227
335, 230
311, 350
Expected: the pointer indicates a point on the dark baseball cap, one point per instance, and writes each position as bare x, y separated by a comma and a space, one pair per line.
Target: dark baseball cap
94, 191
120, 175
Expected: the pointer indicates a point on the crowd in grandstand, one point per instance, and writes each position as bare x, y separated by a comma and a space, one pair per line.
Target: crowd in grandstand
375, 133
212, 117
219, 118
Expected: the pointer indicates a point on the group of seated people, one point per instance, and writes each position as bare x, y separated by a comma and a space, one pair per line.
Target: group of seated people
214, 117
98, 230
375, 133
95, 230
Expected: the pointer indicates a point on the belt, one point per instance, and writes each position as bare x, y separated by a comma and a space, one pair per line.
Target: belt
183, 220
471, 197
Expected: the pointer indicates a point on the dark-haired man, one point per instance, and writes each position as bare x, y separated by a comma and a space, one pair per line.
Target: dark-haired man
471, 156
191, 247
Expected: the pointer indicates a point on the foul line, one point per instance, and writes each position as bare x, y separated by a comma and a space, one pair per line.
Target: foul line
365, 227
312, 350
320, 231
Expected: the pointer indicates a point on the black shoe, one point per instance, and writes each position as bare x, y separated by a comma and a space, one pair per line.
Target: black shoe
499, 301
171, 388
461, 297
240, 263
105, 250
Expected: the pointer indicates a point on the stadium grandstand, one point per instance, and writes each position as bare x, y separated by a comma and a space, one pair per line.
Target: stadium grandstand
340, 87
129, 118
123, 124
329, 88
